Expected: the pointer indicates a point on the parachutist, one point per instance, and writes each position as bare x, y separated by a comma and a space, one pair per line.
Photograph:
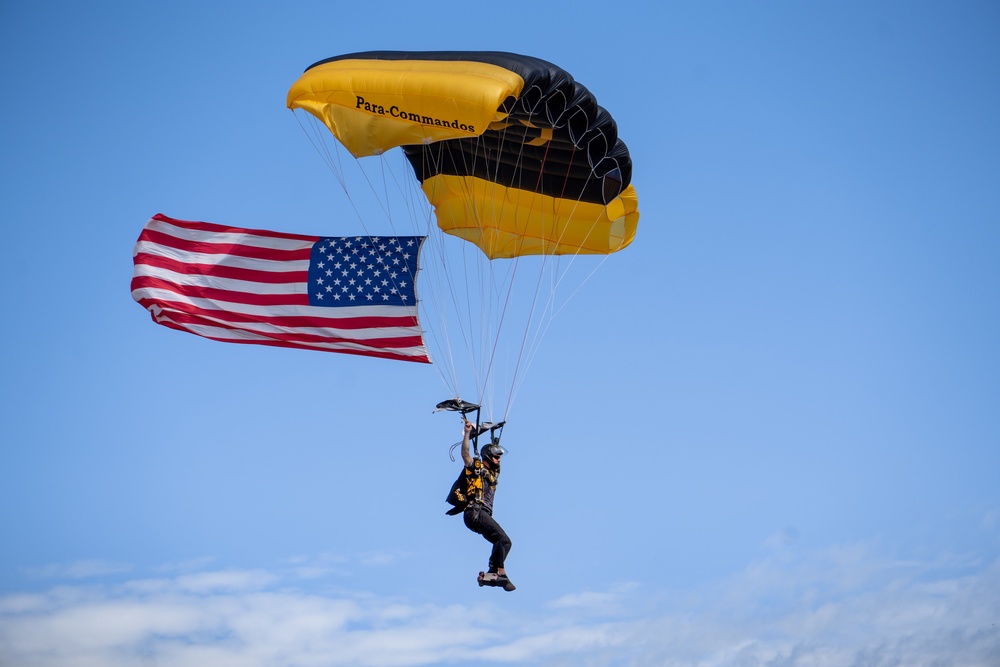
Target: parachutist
472, 495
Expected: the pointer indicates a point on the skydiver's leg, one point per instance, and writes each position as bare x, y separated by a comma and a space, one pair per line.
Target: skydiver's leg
501, 547
484, 524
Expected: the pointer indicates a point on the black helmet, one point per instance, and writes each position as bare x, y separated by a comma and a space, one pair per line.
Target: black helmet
493, 449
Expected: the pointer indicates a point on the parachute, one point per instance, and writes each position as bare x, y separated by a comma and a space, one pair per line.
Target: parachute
512, 155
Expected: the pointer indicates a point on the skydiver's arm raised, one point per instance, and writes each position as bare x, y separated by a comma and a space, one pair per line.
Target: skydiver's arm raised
466, 450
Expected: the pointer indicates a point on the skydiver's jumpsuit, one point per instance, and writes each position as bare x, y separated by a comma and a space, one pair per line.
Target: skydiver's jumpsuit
478, 516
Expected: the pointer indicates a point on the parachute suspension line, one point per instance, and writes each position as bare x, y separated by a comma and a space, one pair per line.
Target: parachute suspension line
420, 222
503, 315
520, 354
384, 204
555, 309
550, 306
409, 197
322, 146
497, 289
509, 281
479, 274
482, 286
604, 258
503, 288
556, 279
580, 286
431, 294
534, 298
539, 329
443, 286
385, 195
420, 212
474, 269
466, 301
407, 189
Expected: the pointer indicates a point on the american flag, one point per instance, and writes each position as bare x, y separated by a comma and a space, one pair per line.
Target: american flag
354, 295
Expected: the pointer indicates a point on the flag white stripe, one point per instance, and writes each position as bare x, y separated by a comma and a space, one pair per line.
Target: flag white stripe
243, 335
230, 284
161, 295
264, 328
221, 259
248, 239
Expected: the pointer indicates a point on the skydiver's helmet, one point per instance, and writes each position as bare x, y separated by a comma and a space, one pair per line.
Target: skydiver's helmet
493, 450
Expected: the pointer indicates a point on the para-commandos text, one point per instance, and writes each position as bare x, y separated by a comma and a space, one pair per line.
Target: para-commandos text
395, 112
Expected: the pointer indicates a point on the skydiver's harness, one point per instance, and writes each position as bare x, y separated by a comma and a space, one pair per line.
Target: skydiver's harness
471, 484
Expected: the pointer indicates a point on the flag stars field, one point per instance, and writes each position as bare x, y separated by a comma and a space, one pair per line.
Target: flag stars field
367, 260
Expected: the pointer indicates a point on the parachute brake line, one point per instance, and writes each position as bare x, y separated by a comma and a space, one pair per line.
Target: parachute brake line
464, 407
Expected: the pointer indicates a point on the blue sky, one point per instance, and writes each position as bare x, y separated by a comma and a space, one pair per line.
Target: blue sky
772, 419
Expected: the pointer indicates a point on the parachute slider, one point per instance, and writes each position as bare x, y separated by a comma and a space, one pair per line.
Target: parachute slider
464, 407
486, 426
456, 405
477, 431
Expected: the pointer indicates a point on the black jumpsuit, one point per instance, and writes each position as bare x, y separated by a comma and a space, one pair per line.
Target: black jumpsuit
478, 518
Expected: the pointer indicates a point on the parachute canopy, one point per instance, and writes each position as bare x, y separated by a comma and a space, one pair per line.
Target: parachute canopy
513, 154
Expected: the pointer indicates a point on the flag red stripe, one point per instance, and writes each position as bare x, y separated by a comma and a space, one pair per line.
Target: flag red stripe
223, 229
234, 272
291, 335
226, 296
290, 322
235, 249
278, 343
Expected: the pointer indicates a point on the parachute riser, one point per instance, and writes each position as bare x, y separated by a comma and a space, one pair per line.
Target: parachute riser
479, 428
475, 431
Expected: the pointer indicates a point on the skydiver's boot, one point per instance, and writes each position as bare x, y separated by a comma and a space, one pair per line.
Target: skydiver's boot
495, 579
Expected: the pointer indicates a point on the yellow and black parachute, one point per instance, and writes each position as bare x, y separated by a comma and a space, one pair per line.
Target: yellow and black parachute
513, 155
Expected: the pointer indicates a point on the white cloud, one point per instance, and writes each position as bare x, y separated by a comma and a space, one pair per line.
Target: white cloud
607, 603
234, 580
841, 607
